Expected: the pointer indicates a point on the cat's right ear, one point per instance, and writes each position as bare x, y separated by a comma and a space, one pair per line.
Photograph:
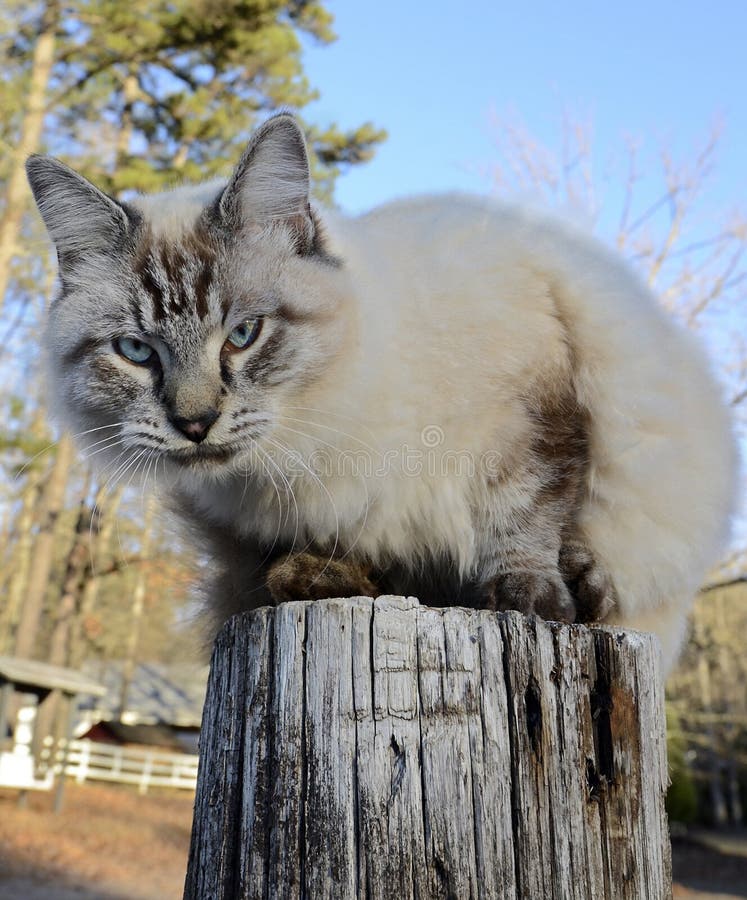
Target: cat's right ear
270, 184
81, 220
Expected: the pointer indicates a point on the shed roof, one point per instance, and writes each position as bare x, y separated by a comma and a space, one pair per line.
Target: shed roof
158, 693
35, 676
150, 735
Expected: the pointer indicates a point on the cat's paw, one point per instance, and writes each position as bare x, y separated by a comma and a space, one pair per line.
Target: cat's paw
589, 583
305, 576
544, 594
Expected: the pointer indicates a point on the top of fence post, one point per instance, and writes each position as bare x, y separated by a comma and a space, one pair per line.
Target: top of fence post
378, 749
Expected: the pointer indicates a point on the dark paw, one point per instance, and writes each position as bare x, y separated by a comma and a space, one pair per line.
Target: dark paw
530, 592
304, 576
589, 584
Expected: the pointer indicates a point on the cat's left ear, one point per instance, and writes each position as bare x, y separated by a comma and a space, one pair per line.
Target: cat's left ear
271, 182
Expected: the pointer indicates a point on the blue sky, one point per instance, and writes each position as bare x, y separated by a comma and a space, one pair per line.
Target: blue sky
431, 73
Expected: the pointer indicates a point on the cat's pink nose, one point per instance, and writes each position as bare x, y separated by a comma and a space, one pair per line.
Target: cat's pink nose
196, 429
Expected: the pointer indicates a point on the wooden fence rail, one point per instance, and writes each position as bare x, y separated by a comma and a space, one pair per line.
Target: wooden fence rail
379, 749
96, 761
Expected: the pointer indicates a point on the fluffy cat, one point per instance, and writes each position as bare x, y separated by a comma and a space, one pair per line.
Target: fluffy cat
447, 397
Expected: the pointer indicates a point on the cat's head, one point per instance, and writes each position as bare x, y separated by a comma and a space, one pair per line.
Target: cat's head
185, 322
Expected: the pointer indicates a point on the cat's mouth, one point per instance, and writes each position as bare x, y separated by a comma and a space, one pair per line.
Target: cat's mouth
203, 454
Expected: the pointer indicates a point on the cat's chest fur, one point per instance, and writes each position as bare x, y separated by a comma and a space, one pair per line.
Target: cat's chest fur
408, 492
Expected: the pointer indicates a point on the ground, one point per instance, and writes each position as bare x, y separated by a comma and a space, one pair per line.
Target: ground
109, 843
710, 866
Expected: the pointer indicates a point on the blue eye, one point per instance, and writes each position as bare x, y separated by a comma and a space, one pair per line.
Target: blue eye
134, 350
245, 334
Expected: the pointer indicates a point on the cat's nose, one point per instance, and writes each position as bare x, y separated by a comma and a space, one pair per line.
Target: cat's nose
195, 429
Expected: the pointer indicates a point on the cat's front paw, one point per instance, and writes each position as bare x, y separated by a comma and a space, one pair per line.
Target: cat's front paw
590, 585
533, 592
306, 576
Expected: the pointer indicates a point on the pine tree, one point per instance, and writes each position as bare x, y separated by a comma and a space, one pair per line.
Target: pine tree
183, 85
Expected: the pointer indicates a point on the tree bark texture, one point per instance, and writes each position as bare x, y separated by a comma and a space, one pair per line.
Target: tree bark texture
380, 749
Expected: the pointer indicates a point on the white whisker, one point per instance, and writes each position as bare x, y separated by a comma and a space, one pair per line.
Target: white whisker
339, 415
109, 466
310, 437
266, 458
361, 476
335, 430
280, 511
80, 434
122, 469
289, 488
34, 458
135, 465
146, 473
106, 444
54, 444
329, 497
109, 437
91, 556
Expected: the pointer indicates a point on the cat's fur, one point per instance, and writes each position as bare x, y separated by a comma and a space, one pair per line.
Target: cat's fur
539, 435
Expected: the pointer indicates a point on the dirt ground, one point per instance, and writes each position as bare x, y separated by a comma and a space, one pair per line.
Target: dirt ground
710, 866
108, 843
111, 844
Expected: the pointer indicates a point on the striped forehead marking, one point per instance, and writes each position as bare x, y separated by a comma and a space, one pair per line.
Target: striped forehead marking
177, 275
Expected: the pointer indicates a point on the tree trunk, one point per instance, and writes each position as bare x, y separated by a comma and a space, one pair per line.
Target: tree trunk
43, 556
16, 193
19, 564
77, 558
138, 606
48, 718
378, 749
105, 513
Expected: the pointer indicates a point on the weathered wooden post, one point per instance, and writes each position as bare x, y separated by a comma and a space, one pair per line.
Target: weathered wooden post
380, 749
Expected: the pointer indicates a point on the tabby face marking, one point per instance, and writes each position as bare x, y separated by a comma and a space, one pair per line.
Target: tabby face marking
182, 285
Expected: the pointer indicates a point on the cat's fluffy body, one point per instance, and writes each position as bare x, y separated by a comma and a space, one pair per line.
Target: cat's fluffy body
444, 318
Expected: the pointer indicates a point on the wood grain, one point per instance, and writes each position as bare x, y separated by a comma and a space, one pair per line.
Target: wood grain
380, 749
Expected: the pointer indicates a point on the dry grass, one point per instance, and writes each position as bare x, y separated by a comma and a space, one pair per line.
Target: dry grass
107, 840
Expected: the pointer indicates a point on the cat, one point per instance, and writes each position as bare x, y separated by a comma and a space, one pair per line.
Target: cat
448, 397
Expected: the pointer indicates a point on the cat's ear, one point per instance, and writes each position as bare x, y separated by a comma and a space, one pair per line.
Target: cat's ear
271, 181
81, 220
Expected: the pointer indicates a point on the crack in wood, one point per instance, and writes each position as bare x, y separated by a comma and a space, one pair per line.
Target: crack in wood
601, 710
533, 712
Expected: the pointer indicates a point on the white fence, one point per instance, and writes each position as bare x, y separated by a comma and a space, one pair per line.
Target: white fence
95, 761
